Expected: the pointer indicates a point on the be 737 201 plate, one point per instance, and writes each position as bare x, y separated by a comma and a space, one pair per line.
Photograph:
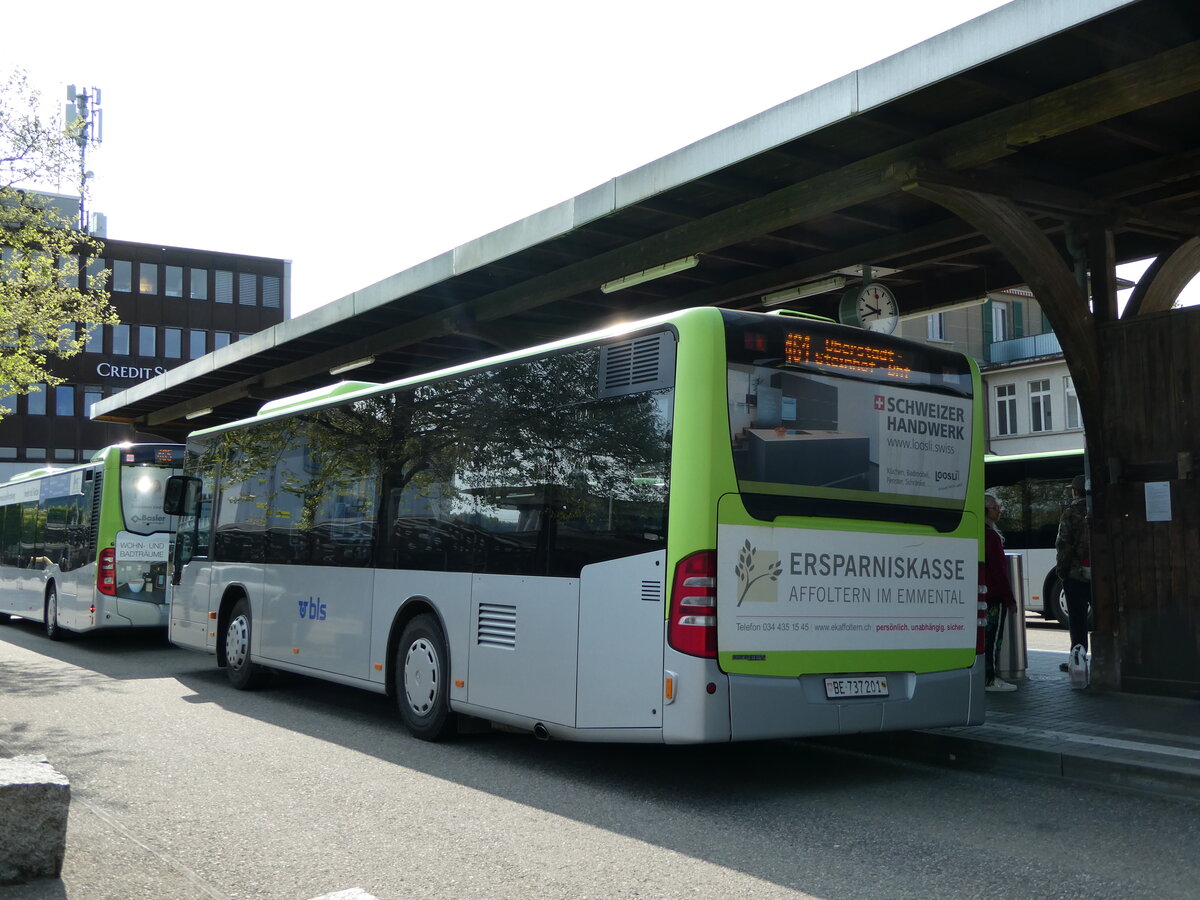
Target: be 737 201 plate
851, 686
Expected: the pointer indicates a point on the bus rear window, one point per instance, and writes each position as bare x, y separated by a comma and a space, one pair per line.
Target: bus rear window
829, 421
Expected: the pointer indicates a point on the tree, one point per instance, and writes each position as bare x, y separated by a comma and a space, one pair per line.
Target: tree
45, 314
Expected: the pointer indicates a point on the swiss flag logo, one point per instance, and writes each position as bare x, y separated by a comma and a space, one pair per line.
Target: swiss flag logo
879, 404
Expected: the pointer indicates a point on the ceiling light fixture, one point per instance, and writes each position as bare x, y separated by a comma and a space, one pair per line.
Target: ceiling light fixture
800, 291
197, 413
677, 265
352, 365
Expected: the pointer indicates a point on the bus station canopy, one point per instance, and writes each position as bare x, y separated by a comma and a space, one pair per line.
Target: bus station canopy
1077, 111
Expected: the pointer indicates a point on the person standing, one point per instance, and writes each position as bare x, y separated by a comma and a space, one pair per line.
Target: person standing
1000, 599
1074, 564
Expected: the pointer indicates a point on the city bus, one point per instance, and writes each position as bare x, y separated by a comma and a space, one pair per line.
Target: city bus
86, 547
1034, 489
709, 526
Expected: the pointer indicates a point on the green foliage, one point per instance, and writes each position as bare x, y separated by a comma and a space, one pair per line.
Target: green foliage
45, 315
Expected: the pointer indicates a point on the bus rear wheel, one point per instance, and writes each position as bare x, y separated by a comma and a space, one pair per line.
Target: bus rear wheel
243, 674
421, 670
50, 617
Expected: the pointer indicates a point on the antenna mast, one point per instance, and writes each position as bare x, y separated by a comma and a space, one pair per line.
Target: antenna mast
84, 107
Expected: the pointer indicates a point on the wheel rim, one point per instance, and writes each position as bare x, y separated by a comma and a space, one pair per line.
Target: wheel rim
237, 642
422, 675
1062, 603
52, 611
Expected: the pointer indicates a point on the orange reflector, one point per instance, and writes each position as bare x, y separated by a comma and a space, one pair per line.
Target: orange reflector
378, 667
669, 688
458, 682
295, 649
212, 615
212, 634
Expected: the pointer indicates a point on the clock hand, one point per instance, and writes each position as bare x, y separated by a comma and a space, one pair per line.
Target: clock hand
873, 309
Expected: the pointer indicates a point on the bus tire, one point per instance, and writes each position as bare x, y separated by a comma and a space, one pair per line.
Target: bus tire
421, 671
1056, 602
243, 674
50, 615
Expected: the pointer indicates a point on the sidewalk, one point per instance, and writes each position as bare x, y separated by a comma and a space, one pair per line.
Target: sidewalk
1048, 728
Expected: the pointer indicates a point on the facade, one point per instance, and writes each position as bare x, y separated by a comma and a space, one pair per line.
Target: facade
1031, 402
175, 304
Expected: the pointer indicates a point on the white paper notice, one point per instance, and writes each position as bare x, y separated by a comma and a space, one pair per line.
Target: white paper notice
1158, 501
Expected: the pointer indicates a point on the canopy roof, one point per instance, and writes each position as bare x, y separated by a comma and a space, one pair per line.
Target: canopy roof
1077, 110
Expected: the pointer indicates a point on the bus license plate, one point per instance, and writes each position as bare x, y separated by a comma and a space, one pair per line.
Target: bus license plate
849, 688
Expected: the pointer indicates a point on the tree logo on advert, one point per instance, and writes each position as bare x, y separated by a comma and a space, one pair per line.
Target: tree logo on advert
753, 566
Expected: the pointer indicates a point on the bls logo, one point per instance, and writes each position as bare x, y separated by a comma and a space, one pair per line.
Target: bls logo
312, 609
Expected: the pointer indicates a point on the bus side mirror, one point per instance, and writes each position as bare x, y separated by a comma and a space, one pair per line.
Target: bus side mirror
182, 496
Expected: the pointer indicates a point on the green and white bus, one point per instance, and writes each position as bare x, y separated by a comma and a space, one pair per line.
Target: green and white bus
708, 526
87, 547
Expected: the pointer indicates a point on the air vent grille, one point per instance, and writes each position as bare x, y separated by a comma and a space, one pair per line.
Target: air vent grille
497, 625
643, 363
652, 591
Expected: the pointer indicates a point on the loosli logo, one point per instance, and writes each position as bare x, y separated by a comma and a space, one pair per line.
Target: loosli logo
757, 575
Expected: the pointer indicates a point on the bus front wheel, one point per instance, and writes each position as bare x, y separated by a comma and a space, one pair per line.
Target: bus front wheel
421, 671
243, 674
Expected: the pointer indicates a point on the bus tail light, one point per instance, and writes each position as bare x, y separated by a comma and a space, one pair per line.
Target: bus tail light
981, 629
106, 573
692, 619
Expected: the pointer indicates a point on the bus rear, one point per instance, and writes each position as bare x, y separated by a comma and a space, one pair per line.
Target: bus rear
827, 582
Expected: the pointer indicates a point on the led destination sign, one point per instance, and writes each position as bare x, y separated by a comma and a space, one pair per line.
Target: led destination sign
808, 349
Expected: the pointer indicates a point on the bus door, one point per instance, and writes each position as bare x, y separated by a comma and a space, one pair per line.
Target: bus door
191, 578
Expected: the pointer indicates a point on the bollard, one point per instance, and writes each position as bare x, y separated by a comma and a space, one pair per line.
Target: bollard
1013, 657
34, 799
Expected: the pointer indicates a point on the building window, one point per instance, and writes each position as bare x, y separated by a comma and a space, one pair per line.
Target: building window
1000, 329
224, 287
147, 278
35, 452
68, 271
8, 404
122, 275
8, 452
1074, 420
120, 345
173, 281
198, 285
35, 400
1006, 409
91, 396
66, 337
172, 343
147, 343
95, 339
197, 343
937, 327
64, 400
247, 289
1039, 405
220, 339
270, 291
64, 455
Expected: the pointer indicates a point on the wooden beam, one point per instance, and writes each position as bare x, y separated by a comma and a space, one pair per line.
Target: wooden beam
1043, 269
1167, 276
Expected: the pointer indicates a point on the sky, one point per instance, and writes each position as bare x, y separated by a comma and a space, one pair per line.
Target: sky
358, 139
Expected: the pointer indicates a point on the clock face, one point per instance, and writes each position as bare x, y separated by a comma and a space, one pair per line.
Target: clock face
872, 306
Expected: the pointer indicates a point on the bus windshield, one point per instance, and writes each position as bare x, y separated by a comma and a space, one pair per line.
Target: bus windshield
868, 427
144, 473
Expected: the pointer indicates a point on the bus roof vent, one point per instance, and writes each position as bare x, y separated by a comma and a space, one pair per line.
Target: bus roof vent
645, 363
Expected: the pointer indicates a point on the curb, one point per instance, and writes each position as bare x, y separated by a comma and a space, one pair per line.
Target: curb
1131, 771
